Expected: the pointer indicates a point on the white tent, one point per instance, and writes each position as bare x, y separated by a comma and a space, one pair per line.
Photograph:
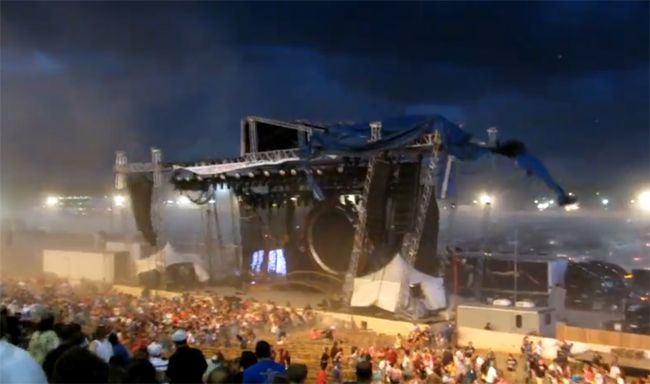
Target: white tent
382, 288
168, 256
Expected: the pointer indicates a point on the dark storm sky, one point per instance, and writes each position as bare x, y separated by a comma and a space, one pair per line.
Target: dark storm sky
82, 80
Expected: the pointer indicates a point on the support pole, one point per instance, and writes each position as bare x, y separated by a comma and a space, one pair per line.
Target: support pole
156, 211
218, 251
209, 246
360, 233
235, 214
411, 243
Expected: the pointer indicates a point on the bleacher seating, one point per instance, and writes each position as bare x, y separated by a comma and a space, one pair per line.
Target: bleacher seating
307, 351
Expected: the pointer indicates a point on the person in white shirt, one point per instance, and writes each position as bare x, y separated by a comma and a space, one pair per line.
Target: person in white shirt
17, 366
491, 376
614, 370
101, 346
155, 350
479, 363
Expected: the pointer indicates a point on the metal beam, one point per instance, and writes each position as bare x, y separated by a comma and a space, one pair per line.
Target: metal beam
411, 242
360, 233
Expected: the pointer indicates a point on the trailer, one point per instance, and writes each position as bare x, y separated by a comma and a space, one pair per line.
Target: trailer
107, 267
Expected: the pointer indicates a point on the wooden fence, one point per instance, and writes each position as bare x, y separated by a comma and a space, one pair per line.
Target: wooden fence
597, 336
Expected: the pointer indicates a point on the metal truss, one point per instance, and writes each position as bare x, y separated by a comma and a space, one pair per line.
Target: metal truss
276, 156
411, 242
360, 233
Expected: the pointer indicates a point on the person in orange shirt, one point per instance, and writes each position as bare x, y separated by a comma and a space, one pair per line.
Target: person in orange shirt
322, 374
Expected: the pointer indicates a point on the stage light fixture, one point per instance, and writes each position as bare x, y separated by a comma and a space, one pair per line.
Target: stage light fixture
571, 207
644, 200
485, 199
52, 201
119, 200
183, 200
282, 172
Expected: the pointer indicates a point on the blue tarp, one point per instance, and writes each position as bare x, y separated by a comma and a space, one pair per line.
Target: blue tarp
398, 132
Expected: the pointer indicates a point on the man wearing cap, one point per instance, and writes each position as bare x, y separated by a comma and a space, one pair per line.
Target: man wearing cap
155, 350
187, 364
265, 369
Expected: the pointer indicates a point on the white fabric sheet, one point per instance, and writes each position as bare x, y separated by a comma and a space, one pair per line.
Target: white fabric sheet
382, 288
168, 256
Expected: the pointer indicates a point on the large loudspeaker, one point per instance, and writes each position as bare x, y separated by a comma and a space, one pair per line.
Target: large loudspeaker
150, 279
427, 258
378, 201
141, 189
330, 233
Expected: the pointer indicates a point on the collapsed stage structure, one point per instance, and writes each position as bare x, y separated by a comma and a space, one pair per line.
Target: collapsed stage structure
370, 189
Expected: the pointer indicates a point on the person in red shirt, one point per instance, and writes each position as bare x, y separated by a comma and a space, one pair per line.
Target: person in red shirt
322, 375
391, 356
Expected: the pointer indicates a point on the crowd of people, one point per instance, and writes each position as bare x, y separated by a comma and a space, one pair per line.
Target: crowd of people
424, 357
59, 333
123, 338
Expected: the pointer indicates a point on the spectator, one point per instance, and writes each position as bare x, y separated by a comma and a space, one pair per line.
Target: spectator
328, 333
297, 373
116, 371
71, 336
219, 375
44, 339
140, 371
280, 379
322, 374
187, 364
491, 375
154, 352
469, 350
17, 366
614, 370
265, 369
246, 360
217, 361
539, 349
540, 370
325, 356
78, 365
100, 346
11, 326
471, 375
284, 358
119, 352
511, 363
364, 372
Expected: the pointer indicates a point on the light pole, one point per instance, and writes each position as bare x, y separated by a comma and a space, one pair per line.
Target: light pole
516, 263
119, 204
486, 201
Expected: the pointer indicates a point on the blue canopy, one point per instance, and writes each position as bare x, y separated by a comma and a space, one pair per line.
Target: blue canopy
398, 132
